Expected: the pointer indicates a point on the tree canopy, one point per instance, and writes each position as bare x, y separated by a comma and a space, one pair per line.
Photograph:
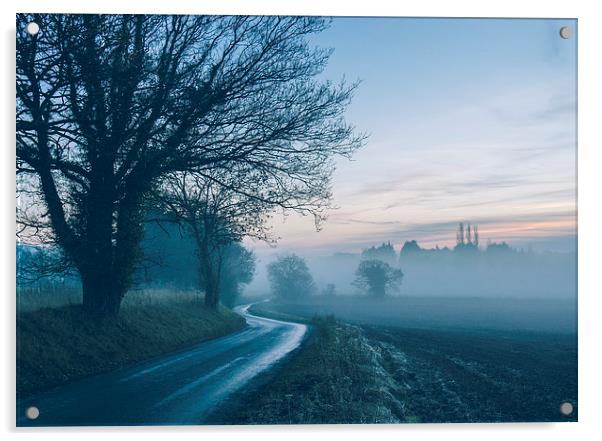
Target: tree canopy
290, 278
377, 277
214, 217
384, 252
110, 105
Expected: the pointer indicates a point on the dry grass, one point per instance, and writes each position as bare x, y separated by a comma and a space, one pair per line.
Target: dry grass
54, 295
56, 345
50, 295
336, 378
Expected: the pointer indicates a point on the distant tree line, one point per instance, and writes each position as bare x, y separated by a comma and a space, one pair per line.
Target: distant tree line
380, 269
467, 242
384, 252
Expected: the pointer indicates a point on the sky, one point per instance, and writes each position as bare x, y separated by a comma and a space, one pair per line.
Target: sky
469, 120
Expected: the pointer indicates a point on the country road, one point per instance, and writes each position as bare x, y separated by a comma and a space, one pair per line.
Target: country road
180, 388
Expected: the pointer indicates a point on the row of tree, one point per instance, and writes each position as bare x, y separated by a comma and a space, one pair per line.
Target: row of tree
213, 122
467, 241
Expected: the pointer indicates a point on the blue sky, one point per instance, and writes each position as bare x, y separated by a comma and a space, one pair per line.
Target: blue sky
469, 120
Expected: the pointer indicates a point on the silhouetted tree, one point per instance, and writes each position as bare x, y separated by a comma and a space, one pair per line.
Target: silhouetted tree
384, 252
215, 217
290, 278
238, 269
410, 251
378, 277
467, 239
460, 235
109, 105
499, 248
410, 246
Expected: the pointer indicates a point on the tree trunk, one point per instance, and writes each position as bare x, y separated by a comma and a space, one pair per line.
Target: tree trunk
110, 257
105, 280
209, 265
210, 282
211, 296
378, 290
101, 294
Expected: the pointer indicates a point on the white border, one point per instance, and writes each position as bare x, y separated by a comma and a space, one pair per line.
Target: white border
590, 201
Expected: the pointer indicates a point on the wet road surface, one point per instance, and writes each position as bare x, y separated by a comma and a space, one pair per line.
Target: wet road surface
180, 388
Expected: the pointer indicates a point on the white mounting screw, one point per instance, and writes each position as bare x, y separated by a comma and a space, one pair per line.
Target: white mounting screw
32, 28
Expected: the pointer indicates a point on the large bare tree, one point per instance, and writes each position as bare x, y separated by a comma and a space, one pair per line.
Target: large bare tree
108, 105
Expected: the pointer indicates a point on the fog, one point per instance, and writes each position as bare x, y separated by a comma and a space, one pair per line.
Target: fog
492, 271
493, 286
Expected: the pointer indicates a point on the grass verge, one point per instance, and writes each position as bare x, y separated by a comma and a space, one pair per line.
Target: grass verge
336, 378
57, 345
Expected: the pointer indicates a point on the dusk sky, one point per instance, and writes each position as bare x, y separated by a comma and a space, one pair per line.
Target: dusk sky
469, 120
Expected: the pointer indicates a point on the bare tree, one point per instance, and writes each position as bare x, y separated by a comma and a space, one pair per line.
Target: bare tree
215, 216
109, 105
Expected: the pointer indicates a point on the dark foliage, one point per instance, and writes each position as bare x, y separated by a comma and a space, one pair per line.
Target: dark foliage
109, 105
290, 278
377, 277
467, 238
409, 247
384, 252
238, 270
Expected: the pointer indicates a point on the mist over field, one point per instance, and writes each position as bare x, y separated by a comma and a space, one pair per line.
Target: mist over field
511, 274
468, 286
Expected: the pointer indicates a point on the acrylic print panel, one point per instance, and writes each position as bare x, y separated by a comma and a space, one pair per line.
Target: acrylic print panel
293, 220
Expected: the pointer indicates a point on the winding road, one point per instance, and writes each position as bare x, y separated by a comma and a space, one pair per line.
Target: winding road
180, 388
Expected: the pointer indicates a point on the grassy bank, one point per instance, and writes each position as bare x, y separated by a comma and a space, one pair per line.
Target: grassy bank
56, 345
336, 378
